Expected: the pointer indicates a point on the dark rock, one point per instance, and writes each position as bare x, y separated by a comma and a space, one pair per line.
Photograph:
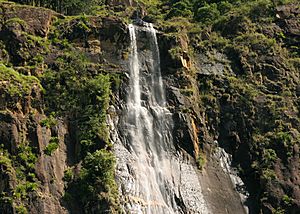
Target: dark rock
288, 11
183, 133
37, 20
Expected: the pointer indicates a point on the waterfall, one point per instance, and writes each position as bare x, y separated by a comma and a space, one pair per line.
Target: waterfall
153, 177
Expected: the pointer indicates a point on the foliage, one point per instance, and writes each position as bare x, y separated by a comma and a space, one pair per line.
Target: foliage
95, 188
22, 164
68, 175
84, 96
287, 200
200, 160
52, 146
75, 90
15, 84
20, 209
26, 157
15, 20
97, 166
5, 161
268, 175
68, 7
207, 13
49, 121
181, 8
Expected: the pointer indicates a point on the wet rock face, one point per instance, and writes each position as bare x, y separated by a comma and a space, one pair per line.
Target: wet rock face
189, 127
219, 191
149, 171
183, 133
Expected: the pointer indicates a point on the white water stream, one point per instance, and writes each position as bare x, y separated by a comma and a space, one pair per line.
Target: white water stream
152, 175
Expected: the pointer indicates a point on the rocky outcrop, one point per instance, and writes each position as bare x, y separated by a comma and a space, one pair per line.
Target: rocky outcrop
239, 114
24, 30
34, 20
39, 145
19, 129
238, 93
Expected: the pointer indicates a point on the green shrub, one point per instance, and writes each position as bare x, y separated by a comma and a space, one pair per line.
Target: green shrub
201, 160
278, 210
23, 165
52, 146
175, 52
224, 7
187, 91
207, 14
260, 9
96, 183
22, 189
269, 157
49, 121
68, 175
26, 156
20, 209
16, 84
181, 8
16, 20
268, 175
287, 200
5, 161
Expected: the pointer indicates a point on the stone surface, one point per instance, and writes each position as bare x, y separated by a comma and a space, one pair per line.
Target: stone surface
197, 124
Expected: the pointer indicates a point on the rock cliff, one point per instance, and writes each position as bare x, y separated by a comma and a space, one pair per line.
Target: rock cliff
232, 89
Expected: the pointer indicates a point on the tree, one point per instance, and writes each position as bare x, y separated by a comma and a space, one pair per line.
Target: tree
67, 7
181, 8
207, 13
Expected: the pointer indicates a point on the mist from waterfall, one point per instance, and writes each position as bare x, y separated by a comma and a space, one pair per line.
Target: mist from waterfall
152, 175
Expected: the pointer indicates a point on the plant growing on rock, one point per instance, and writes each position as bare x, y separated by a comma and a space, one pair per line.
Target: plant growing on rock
52, 146
201, 160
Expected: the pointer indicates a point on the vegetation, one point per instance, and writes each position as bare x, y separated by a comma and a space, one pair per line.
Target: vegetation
49, 121
52, 146
16, 84
84, 96
95, 188
251, 106
69, 7
76, 90
22, 166
200, 160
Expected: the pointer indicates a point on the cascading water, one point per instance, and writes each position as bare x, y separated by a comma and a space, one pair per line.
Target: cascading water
153, 177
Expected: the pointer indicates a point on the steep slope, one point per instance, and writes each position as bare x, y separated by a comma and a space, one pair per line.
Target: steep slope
241, 75
54, 96
232, 84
